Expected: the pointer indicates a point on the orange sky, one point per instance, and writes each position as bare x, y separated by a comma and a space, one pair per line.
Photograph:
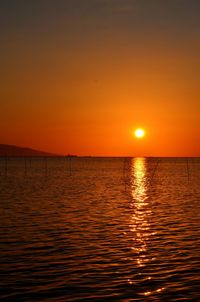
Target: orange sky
80, 79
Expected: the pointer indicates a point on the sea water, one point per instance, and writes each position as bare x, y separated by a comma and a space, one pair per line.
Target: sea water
100, 229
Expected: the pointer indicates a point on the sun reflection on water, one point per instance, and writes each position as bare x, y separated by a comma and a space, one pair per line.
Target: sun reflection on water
139, 224
139, 181
140, 221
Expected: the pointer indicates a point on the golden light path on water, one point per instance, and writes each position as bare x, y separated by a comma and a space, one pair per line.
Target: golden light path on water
140, 219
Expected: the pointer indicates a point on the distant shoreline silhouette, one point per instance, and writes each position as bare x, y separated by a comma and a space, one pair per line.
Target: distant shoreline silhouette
16, 151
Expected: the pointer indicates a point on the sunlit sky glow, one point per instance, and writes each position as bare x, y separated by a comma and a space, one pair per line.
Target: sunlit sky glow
79, 76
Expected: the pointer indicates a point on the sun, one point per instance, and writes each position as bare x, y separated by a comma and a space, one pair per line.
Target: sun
139, 133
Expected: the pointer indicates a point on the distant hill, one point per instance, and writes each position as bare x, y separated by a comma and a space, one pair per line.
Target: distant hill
10, 150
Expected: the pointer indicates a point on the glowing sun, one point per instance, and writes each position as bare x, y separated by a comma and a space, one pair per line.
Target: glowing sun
139, 133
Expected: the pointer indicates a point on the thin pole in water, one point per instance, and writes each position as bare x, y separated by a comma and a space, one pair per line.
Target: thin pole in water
6, 165
124, 163
188, 170
30, 164
154, 172
70, 166
46, 167
25, 167
124, 167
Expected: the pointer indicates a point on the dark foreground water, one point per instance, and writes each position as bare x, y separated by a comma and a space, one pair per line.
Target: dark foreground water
100, 229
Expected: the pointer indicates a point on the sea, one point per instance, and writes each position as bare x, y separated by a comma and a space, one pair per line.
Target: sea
99, 229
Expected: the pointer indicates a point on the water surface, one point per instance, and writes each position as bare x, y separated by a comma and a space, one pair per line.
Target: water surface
100, 229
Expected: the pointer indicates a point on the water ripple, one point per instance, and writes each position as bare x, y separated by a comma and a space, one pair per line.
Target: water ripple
110, 230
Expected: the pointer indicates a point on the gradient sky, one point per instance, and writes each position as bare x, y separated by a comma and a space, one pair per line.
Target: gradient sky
78, 76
